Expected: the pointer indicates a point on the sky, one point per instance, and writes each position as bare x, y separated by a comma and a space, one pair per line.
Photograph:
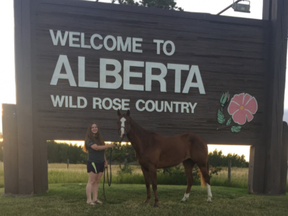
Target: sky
7, 72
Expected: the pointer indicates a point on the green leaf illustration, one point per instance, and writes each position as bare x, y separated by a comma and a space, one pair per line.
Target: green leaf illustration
236, 129
224, 98
220, 117
229, 121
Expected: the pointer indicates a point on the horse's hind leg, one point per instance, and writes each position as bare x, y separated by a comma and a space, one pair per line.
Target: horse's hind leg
188, 166
205, 175
147, 182
153, 177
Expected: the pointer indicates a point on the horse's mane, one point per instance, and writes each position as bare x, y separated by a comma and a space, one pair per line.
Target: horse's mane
142, 133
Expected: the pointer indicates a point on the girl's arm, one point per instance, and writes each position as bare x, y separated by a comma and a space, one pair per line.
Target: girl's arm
101, 147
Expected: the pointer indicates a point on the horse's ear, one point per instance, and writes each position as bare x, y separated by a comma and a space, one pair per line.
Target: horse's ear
118, 112
128, 112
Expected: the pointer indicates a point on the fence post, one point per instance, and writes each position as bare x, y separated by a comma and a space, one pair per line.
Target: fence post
229, 171
67, 163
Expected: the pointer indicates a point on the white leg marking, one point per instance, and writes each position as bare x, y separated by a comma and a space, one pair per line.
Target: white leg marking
186, 196
209, 193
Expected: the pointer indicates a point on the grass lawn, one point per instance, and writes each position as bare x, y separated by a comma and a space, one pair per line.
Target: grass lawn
127, 199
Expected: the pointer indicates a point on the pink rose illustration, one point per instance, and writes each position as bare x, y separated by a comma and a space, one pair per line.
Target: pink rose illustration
242, 107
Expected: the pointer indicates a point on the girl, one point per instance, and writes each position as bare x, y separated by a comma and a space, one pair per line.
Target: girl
96, 163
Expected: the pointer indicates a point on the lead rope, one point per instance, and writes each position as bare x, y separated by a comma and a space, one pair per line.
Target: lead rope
109, 180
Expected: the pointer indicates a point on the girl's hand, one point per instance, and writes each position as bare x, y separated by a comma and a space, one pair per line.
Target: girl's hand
106, 164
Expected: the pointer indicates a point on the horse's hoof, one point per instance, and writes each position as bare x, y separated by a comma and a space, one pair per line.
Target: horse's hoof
182, 200
209, 200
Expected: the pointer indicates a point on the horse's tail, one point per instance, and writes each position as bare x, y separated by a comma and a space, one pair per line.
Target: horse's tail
203, 182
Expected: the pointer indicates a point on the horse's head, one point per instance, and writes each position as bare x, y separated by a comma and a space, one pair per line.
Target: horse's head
123, 122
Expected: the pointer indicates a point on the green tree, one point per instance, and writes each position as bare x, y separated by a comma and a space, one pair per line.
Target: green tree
216, 159
60, 152
165, 4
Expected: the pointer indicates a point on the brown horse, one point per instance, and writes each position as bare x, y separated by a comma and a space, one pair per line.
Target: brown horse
154, 152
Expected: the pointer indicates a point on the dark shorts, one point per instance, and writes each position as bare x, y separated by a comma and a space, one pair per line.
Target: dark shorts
95, 167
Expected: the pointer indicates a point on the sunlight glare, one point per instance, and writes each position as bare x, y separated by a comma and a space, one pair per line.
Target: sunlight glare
226, 149
81, 143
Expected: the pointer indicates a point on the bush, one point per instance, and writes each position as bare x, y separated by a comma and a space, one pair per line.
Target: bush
125, 170
122, 153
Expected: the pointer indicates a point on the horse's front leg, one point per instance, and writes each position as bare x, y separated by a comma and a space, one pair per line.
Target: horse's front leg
147, 182
153, 177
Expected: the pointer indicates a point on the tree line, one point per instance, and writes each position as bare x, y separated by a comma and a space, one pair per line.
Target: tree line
164, 4
61, 152
217, 159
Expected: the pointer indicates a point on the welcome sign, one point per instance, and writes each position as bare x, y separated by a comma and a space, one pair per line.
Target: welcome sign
77, 62
134, 45
170, 68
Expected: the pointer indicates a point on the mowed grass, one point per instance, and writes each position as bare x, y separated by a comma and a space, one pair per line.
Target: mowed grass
127, 199
66, 196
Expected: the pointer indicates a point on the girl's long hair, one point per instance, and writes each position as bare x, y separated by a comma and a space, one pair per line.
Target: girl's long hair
97, 138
